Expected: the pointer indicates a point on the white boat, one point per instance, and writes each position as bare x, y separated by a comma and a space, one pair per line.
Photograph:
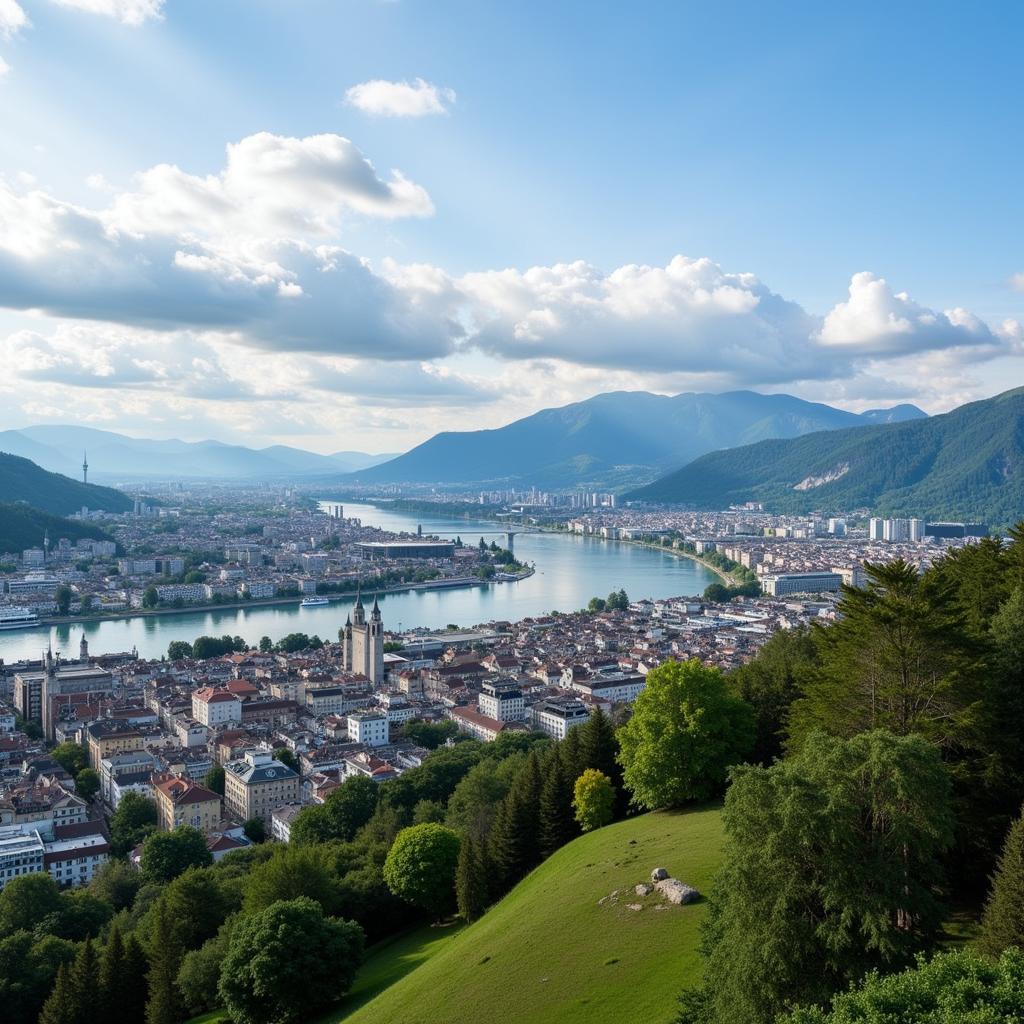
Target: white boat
314, 602
18, 618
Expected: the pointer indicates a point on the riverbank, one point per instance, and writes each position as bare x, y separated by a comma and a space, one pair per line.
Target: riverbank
691, 556
267, 602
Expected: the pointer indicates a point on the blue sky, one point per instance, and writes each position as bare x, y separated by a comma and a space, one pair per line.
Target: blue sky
589, 196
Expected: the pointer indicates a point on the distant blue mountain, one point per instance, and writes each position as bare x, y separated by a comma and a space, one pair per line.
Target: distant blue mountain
118, 457
615, 440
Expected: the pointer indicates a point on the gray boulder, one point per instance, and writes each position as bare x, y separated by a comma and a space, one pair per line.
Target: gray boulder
675, 891
658, 874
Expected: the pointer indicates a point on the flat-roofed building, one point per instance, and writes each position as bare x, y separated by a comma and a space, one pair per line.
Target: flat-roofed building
21, 853
557, 717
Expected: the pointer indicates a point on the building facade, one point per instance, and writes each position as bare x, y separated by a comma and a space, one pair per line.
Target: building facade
363, 643
257, 784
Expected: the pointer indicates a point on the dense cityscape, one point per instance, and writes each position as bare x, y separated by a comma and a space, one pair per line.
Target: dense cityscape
511, 513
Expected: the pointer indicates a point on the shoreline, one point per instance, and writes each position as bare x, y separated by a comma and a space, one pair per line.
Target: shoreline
263, 602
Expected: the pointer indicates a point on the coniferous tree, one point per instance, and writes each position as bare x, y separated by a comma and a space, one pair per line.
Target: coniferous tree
1003, 923
164, 961
61, 1006
111, 970
514, 845
557, 822
599, 749
472, 883
133, 990
109, 980
572, 754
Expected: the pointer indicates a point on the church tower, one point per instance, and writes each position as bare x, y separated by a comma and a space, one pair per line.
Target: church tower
83, 648
48, 691
375, 645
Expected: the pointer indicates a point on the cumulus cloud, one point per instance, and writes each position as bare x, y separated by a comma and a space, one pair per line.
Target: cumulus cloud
241, 250
877, 321
270, 185
128, 12
399, 99
12, 18
690, 315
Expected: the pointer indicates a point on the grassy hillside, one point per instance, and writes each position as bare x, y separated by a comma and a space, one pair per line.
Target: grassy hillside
22, 480
549, 954
23, 527
968, 463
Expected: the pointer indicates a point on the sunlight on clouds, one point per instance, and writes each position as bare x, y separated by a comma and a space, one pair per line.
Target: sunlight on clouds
399, 99
128, 12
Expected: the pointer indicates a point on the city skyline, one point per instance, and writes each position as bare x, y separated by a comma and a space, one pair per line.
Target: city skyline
351, 226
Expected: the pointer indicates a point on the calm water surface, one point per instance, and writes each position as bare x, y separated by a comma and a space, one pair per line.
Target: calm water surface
570, 570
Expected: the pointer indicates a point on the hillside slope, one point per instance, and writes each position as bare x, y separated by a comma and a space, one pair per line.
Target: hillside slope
549, 954
614, 439
22, 480
966, 463
23, 527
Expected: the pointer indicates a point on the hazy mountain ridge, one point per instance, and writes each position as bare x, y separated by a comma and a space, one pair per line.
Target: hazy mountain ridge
613, 439
968, 463
115, 456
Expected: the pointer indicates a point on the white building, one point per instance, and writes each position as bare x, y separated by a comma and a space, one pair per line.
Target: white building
369, 727
876, 529
215, 708
21, 853
73, 858
556, 718
502, 701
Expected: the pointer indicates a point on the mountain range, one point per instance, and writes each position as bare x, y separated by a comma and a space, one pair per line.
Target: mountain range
116, 457
968, 463
615, 440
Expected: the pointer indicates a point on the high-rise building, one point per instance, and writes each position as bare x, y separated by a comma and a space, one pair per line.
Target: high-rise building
876, 529
917, 530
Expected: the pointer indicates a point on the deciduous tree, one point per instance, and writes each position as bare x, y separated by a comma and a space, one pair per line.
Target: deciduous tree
420, 867
685, 733
287, 962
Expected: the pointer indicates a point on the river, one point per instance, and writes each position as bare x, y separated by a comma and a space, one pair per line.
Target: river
570, 570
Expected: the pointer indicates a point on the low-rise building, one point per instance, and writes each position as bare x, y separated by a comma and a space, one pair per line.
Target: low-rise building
180, 801
21, 853
503, 701
215, 708
256, 784
369, 727
557, 717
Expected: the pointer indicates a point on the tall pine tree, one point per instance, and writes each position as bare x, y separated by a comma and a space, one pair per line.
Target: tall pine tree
110, 976
599, 749
61, 1006
556, 817
514, 843
1003, 923
472, 883
164, 961
133, 990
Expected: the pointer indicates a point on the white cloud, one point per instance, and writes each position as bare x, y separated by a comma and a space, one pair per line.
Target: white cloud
270, 185
5, 68
875, 320
1017, 282
128, 12
12, 19
399, 99
690, 316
